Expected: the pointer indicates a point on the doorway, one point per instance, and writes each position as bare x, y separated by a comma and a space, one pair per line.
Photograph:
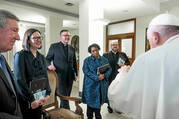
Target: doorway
124, 32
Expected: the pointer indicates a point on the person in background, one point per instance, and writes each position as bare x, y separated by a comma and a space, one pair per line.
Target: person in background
9, 102
30, 65
63, 60
151, 85
115, 57
95, 85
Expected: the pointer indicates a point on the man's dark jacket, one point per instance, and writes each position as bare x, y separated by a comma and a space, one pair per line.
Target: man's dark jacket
9, 106
66, 66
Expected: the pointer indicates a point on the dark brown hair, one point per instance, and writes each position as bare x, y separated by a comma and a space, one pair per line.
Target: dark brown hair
64, 30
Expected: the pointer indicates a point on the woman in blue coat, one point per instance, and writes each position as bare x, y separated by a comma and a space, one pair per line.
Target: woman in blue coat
95, 85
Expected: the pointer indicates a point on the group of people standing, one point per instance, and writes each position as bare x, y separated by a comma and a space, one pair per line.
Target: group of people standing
149, 91
18, 101
30, 64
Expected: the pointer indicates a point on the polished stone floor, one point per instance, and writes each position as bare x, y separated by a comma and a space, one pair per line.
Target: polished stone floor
104, 112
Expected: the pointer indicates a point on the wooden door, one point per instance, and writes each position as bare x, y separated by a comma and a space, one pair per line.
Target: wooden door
126, 39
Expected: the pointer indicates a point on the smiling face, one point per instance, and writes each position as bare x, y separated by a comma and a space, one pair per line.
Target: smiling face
65, 37
8, 35
35, 41
95, 52
115, 46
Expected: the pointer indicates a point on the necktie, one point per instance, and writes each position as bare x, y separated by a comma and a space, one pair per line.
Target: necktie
4, 68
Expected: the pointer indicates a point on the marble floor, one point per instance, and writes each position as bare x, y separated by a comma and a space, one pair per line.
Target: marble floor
104, 112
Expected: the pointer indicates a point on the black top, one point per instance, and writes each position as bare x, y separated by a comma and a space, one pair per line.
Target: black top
65, 63
65, 50
27, 68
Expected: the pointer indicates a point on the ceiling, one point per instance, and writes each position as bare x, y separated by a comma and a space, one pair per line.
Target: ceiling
56, 4
136, 8
112, 14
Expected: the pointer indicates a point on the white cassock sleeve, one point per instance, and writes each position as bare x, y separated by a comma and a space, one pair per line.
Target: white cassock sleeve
114, 88
125, 91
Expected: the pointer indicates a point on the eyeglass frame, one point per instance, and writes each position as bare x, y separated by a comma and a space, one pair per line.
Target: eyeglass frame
37, 38
66, 35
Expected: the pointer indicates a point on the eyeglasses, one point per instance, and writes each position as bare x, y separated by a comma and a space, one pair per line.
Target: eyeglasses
66, 35
37, 38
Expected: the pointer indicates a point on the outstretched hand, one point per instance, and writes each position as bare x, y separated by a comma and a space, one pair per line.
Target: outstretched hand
124, 68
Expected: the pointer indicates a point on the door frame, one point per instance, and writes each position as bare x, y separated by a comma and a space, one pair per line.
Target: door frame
122, 36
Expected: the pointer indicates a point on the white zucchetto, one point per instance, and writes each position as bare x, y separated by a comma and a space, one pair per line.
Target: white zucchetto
165, 19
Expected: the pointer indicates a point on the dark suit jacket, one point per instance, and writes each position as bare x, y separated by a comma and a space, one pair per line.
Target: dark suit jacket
9, 106
66, 66
113, 63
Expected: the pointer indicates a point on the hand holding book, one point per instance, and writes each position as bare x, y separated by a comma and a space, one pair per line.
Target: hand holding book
38, 88
35, 104
101, 77
44, 100
121, 62
124, 69
102, 69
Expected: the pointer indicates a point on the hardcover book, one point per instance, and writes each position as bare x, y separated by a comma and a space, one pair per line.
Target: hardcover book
102, 69
37, 87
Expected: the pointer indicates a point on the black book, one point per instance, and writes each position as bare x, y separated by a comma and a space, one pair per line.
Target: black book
102, 69
38, 88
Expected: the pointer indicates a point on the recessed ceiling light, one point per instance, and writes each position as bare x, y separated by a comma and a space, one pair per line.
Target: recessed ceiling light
69, 4
74, 2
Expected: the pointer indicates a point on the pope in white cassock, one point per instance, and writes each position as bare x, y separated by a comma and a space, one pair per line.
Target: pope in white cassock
150, 90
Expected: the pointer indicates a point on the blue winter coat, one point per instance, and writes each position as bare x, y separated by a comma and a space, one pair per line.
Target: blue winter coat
94, 91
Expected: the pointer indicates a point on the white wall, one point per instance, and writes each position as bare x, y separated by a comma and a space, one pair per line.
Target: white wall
74, 32
142, 24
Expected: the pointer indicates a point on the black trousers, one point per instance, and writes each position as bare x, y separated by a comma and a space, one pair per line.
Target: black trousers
65, 87
31, 113
90, 113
